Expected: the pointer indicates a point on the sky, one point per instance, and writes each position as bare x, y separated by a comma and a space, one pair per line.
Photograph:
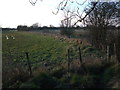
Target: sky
21, 12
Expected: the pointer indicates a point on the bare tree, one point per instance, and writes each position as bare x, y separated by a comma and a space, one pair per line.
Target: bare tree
67, 23
63, 5
103, 16
99, 20
68, 18
35, 25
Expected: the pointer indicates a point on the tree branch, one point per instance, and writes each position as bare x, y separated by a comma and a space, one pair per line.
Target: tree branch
81, 3
33, 3
80, 20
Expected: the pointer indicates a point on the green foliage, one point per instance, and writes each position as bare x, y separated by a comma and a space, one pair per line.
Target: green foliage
86, 81
110, 73
89, 50
76, 80
95, 68
58, 72
28, 85
64, 79
13, 75
42, 81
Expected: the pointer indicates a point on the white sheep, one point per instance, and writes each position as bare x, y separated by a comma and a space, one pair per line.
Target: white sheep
13, 37
7, 37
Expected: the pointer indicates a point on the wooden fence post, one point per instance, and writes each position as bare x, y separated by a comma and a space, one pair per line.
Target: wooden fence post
81, 61
108, 53
29, 66
115, 51
68, 58
80, 57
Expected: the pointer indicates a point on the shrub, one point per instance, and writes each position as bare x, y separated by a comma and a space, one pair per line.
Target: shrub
13, 73
29, 85
95, 68
86, 81
65, 79
58, 72
110, 73
44, 81
67, 32
75, 80
89, 50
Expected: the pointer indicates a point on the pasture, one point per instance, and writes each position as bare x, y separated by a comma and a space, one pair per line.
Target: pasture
41, 49
49, 54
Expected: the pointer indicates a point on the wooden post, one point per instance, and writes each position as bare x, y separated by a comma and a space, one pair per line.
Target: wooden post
108, 53
68, 58
80, 57
29, 66
115, 50
81, 61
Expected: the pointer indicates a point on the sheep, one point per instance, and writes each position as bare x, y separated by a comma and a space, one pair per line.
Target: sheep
7, 37
13, 37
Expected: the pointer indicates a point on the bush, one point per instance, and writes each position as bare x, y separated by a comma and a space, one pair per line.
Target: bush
95, 69
98, 36
44, 81
13, 75
75, 80
110, 73
64, 82
67, 32
89, 50
86, 81
29, 85
58, 72
65, 79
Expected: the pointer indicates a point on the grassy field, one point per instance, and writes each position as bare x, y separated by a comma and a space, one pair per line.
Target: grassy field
48, 50
38, 46
41, 48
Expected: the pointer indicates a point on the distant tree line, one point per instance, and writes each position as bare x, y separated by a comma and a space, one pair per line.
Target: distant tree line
22, 28
32, 28
7, 29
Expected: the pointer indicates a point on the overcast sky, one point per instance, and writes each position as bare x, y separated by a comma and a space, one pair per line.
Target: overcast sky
21, 12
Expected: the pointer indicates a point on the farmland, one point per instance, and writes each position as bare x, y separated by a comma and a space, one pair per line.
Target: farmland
41, 48
48, 57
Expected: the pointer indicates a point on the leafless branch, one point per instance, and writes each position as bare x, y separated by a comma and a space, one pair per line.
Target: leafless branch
33, 3
80, 20
81, 3
61, 6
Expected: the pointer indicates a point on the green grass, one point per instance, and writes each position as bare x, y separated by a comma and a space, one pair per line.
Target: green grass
39, 47
44, 49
